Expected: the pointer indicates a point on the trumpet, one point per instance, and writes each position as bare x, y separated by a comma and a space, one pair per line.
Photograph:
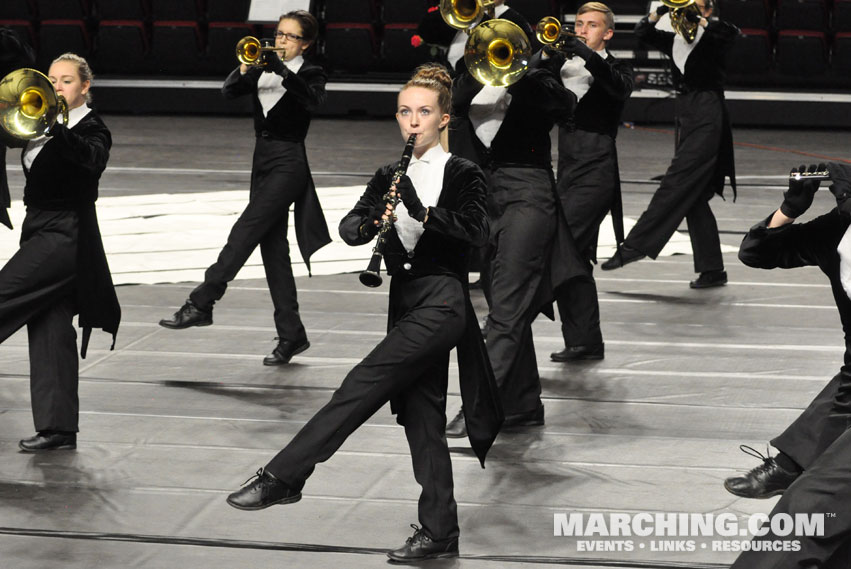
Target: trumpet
29, 105
679, 22
550, 31
249, 51
371, 277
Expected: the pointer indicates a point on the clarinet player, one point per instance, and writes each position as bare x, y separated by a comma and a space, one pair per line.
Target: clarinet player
441, 215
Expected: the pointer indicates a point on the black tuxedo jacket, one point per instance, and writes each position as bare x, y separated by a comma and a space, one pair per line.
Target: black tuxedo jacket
456, 223
800, 245
289, 119
64, 177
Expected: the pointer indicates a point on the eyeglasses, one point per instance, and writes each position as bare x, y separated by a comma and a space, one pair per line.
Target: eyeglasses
290, 37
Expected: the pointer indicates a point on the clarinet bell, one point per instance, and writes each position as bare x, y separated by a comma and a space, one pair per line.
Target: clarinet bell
371, 277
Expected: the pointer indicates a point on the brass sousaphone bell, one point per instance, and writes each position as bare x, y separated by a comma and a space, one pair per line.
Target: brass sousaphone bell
29, 105
549, 31
679, 22
497, 52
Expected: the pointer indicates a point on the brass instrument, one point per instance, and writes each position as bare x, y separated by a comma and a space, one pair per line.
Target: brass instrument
465, 14
249, 51
371, 277
497, 53
29, 105
549, 31
679, 22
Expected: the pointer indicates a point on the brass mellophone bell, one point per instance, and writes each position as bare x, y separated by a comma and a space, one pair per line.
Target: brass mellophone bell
29, 105
679, 22
497, 52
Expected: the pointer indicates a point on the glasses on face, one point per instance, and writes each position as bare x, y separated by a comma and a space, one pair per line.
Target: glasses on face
290, 37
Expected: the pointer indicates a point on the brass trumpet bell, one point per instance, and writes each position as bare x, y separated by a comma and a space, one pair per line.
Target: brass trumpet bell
464, 14
497, 53
249, 51
29, 105
549, 31
679, 22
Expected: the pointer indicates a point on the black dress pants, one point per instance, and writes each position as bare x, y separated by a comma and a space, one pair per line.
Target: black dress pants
37, 290
279, 176
521, 208
587, 187
410, 366
689, 183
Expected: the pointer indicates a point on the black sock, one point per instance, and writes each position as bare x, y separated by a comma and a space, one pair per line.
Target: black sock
786, 463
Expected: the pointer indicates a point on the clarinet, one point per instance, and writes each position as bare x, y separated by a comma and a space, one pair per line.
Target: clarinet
371, 277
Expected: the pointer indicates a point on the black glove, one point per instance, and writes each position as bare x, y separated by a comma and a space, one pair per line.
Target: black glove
693, 16
575, 46
273, 64
662, 10
799, 197
409, 196
368, 229
840, 174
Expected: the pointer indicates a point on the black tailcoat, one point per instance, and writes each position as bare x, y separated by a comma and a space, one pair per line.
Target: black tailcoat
429, 314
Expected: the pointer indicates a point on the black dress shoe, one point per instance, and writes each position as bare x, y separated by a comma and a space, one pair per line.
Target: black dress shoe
623, 256
457, 427
187, 316
764, 481
265, 490
574, 353
284, 352
529, 419
420, 547
709, 279
49, 440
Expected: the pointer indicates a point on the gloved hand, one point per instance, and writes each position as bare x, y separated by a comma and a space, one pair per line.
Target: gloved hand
692, 16
409, 197
840, 174
662, 10
373, 220
799, 197
575, 46
273, 63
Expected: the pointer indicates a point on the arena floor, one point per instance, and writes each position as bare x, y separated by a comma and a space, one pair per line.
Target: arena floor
172, 421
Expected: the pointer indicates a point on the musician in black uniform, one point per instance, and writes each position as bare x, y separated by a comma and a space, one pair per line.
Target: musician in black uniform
285, 92
60, 269
434, 30
588, 181
704, 151
813, 466
441, 215
507, 131
14, 54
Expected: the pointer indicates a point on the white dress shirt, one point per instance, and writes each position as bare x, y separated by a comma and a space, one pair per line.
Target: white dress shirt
270, 88
35, 145
844, 250
576, 77
426, 173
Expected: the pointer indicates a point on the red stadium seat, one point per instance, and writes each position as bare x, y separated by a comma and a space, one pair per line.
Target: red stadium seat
122, 9
62, 9
801, 54
398, 53
228, 10
842, 16
801, 15
222, 38
350, 46
354, 11
404, 11
176, 48
17, 10
56, 37
750, 59
175, 10
121, 48
753, 14
23, 28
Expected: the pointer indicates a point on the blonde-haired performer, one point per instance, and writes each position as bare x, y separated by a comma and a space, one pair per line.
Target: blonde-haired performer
441, 215
60, 269
588, 181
